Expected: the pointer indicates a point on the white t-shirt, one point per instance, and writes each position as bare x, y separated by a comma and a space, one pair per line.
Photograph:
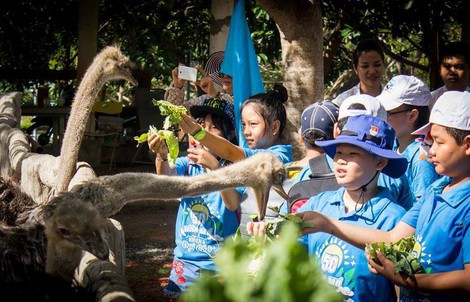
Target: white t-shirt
435, 94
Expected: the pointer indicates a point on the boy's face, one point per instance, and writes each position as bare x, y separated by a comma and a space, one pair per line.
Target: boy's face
354, 167
449, 158
455, 72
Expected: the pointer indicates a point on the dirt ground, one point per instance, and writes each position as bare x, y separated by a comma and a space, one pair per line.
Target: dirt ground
149, 235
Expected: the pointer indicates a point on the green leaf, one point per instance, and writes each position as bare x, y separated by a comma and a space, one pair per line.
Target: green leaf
174, 113
400, 253
256, 270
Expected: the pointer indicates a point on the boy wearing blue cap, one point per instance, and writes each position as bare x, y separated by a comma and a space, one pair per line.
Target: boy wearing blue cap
361, 151
440, 220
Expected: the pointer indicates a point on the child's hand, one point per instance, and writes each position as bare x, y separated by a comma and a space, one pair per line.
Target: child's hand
157, 144
320, 221
202, 156
387, 269
206, 83
189, 124
257, 229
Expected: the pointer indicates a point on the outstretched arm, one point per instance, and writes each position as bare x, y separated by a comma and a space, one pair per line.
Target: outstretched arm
452, 281
355, 235
220, 146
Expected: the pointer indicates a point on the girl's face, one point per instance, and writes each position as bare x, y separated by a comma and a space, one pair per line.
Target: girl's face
448, 157
256, 134
370, 69
355, 167
209, 126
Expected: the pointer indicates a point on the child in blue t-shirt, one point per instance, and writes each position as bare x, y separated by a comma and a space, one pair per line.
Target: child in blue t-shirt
264, 123
361, 151
202, 222
406, 99
440, 220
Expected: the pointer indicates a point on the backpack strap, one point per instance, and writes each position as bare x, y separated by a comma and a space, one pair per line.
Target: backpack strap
322, 179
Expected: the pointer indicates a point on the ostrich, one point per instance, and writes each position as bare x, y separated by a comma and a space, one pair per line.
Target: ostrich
110, 64
45, 252
53, 237
110, 193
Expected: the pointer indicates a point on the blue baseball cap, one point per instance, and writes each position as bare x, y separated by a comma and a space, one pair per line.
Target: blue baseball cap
373, 135
320, 116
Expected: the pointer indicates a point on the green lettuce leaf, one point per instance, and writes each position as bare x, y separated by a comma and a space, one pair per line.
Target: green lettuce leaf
400, 253
256, 270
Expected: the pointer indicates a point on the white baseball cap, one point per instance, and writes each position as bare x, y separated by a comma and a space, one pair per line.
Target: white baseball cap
404, 89
371, 104
452, 109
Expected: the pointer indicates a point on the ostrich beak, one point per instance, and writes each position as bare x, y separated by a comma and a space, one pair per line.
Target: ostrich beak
130, 78
280, 190
262, 197
94, 243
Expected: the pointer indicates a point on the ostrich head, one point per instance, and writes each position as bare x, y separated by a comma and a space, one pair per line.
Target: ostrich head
266, 172
73, 222
115, 65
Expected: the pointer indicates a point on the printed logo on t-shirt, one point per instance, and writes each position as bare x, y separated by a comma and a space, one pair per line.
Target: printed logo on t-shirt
201, 231
419, 251
338, 265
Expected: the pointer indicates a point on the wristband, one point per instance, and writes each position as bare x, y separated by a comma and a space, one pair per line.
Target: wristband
158, 158
200, 134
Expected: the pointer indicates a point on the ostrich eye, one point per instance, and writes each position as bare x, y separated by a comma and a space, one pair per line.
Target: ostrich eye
279, 177
64, 232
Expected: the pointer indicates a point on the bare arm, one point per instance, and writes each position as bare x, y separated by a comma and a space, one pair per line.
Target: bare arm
452, 281
355, 235
157, 145
231, 199
220, 146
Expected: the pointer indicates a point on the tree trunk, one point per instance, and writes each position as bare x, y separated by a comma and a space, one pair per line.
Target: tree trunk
301, 30
221, 11
466, 23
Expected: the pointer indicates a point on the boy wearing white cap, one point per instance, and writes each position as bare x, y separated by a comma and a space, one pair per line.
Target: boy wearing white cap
406, 99
440, 220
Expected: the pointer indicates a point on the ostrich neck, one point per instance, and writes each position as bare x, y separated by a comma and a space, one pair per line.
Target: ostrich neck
76, 125
177, 187
62, 260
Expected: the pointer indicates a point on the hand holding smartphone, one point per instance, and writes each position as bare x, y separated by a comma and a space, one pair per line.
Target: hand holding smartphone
187, 73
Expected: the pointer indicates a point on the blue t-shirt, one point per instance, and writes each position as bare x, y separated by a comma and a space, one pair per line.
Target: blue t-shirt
303, 174
344, 265
441, 222
420, 172
283, 152
203, 222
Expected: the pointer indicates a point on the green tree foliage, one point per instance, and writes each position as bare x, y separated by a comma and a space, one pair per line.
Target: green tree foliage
411, 31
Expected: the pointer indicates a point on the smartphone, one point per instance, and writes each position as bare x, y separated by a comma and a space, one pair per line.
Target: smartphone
187, 73
192, 142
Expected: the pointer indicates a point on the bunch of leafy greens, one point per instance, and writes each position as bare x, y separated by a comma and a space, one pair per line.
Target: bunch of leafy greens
174, 116
400, 253
275, 225
285, 272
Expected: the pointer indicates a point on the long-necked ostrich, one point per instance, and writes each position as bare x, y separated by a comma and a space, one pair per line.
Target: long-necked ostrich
110, 64
38, 258
74, 219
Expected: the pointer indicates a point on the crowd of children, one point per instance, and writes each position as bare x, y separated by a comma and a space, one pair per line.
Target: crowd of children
371, 138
